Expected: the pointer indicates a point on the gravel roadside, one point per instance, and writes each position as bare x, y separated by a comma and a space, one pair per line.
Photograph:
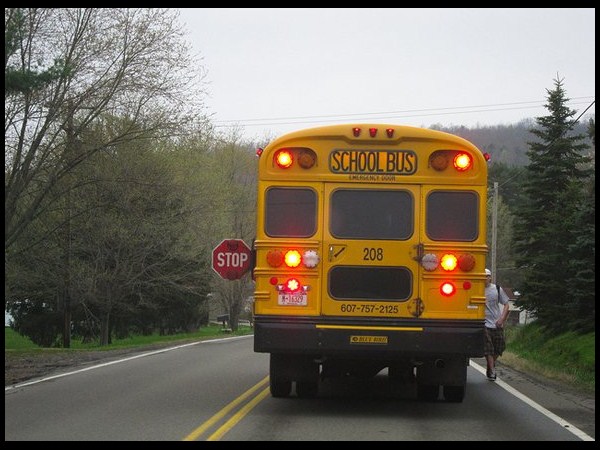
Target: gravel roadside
23, 366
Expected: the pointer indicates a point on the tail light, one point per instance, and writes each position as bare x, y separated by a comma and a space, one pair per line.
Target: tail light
275, 258
429, 262
447, 289
449, 262
292, 258
466, 262
310, 258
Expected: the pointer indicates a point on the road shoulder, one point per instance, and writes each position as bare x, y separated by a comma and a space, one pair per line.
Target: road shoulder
575, 406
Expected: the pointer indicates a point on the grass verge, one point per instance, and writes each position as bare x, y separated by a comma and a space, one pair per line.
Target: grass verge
13, 341
569, 357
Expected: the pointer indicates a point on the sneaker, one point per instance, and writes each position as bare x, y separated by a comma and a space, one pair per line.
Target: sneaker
491, 375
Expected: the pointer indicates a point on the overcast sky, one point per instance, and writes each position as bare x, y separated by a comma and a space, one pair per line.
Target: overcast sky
272, 70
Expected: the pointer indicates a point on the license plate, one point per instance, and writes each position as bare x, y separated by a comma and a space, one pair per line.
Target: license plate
295, 299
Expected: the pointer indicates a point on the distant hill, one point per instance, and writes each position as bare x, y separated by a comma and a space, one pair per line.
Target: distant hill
506, 143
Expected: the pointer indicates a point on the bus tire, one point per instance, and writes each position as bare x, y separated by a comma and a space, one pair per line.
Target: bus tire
279, 384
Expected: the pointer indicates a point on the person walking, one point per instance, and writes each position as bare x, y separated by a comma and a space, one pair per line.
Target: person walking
495, 341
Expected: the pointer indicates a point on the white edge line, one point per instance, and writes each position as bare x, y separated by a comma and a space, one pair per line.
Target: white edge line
563, 423
97, 366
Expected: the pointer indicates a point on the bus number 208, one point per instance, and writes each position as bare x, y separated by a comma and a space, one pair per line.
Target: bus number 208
373, 254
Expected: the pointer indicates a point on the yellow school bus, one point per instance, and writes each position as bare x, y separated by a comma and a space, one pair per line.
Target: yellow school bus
369, 254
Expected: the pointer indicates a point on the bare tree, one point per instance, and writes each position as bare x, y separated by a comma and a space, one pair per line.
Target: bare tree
103, 63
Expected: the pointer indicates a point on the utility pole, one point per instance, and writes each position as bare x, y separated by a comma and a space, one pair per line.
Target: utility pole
69, 151
494, 230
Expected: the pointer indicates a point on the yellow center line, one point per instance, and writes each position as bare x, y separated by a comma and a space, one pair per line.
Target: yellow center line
218, 416
239, 415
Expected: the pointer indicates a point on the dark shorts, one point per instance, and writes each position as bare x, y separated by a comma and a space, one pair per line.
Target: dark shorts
494, 341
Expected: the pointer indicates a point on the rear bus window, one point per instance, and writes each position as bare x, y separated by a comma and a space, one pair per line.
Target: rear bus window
452, 216
290, 212
371, 214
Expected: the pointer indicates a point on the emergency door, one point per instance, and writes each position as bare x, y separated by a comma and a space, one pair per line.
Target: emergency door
370, 246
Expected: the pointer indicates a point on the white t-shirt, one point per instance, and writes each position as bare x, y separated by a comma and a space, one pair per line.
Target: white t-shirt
492, 305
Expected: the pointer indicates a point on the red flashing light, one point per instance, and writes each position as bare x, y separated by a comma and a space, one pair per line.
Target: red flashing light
356, 131
284, 159
462, 162
372, 132
389, 132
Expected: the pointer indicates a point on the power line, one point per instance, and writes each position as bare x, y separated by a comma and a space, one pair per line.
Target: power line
390, 114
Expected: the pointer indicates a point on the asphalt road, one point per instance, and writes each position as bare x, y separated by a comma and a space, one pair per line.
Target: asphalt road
218, 390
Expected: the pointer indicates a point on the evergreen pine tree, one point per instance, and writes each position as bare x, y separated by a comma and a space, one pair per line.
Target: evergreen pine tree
582, 259
581, 302
545, 224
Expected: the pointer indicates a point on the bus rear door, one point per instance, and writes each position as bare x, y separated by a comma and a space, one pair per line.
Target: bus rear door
370, 250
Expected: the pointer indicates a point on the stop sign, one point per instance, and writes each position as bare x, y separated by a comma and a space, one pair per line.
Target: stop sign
231, 259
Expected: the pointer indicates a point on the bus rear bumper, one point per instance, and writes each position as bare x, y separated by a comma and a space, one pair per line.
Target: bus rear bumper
418, 339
